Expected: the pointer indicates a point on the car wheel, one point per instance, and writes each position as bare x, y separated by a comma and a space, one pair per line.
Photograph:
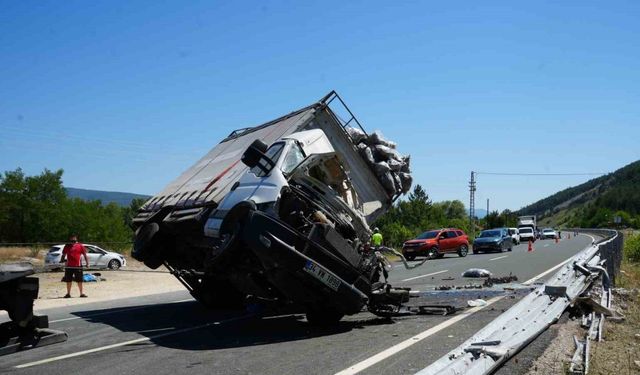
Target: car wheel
463, 251
114, 264
510, 249
410, 257
434, 253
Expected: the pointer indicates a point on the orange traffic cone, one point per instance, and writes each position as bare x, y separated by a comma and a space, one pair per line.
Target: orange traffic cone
530, 249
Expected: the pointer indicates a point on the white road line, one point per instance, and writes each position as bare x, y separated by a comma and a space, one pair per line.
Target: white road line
427, 275
502, 257
547, 245
113, 312
361, 366
125, 343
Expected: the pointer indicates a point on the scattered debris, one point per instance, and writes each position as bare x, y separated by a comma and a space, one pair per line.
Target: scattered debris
477, 302
448, 279
476, 272
489, 282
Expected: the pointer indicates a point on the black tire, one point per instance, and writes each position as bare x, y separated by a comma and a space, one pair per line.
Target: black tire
434, 253
510, 249
463, 251
323, 318
410, 257
114, 264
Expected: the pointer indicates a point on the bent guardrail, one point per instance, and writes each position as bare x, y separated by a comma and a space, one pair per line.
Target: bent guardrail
489, 348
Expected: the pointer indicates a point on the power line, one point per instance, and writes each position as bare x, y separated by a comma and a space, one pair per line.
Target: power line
540, 174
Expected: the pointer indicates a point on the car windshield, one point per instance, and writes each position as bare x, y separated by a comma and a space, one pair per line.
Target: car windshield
526, 230
428, 235
548, 230
490, 233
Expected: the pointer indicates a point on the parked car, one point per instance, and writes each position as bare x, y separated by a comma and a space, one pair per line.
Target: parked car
437, 243
98, 258
515, 235
493, 240
548, 233
527, 234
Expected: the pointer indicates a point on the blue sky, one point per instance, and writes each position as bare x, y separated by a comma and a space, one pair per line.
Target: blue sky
125, 96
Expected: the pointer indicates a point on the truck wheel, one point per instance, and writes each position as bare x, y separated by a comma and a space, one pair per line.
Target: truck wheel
323, 318
463, 251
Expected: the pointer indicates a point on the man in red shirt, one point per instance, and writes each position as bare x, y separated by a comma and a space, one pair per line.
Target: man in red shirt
73, 270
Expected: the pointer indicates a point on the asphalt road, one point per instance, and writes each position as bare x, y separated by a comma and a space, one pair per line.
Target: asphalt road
170, 333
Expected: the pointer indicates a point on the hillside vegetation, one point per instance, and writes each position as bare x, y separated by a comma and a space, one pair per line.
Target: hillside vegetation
106, 197
594, 203
37, 209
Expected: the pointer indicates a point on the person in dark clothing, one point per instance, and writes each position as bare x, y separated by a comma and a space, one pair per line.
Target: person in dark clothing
72, 253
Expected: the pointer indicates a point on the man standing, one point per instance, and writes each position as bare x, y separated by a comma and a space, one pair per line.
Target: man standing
73, 269
376, 238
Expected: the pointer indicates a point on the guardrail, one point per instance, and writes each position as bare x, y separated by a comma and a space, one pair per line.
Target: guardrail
490, 347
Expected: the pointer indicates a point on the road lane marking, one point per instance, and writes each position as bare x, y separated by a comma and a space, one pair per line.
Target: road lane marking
547, 245
427, 275
502, 257
361, 366
530, 281
116, 311
125, 343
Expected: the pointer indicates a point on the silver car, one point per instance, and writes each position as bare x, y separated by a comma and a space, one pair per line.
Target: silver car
98, 258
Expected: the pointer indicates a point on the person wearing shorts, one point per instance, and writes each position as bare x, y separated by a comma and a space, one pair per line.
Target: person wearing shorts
73, 252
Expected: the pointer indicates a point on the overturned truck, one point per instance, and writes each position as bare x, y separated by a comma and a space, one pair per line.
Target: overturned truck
280, 213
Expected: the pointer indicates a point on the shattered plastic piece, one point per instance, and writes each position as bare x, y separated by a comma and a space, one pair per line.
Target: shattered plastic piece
356, 134
477, 302
381, 168
476, 272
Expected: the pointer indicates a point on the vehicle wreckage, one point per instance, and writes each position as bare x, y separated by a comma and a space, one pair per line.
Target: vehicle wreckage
280, 212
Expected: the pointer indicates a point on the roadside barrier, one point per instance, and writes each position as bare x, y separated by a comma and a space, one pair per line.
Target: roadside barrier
493, 345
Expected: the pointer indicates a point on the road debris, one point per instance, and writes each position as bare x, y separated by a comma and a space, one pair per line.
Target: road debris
489, 282
476, 272
476, 302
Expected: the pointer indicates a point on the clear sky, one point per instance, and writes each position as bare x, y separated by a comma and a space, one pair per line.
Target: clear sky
125, 96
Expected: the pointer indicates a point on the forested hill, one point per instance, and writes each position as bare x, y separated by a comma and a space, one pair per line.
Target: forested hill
594, 202
106, 197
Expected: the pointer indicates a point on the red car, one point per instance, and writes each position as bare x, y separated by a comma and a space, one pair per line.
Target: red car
437, 243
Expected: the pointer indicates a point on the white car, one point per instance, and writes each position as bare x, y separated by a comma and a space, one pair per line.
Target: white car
526, 234
515, 235
548, 233
98, 258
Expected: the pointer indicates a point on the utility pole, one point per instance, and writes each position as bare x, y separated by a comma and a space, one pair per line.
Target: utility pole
487, 206
472, 204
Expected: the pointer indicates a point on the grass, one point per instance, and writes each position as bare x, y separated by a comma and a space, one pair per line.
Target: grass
15, 254
621, 347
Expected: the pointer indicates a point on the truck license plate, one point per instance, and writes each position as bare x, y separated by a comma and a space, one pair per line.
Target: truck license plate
320, 274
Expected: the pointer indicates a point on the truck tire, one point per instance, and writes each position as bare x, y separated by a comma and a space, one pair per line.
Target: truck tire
323, 318
148, 246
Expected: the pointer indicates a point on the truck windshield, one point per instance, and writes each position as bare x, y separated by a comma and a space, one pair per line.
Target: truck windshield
272, 153
428, 235
526, 230
294, 157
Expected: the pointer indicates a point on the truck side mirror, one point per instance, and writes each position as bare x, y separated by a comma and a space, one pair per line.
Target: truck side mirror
256, 152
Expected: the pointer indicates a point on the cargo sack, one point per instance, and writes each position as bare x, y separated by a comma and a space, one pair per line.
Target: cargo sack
376, 138
395, 165
407, 180
356, 134
387, 153
406, 166
381, 168
388, 183
366, 153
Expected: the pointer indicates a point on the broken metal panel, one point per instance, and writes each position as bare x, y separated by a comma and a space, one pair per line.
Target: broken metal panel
522, 323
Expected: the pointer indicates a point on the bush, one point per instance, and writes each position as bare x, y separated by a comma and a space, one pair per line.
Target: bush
632, 248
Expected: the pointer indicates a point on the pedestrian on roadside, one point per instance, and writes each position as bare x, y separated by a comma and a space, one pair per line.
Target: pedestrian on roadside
72, 253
